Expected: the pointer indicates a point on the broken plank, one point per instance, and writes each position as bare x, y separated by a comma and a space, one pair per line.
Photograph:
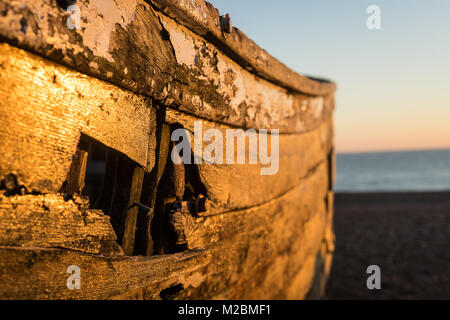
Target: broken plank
51, 221
39, 273
77, 172
164, 146
131, 216
44, 109
142, 50
248, 267
236, 186
244, 266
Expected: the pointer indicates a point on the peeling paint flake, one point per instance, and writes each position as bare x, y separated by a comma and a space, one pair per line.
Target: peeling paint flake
101, 18
183, 47
237, 86
98, 20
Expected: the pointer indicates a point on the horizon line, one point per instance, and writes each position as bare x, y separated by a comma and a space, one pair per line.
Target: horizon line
392, 150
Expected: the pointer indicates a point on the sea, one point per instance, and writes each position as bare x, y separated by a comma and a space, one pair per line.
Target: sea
393, 171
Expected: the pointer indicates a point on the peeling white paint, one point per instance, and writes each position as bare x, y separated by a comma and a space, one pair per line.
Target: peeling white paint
183, 47
317, 106
98, 20
266, 102
249, 97
41, 12
101, 16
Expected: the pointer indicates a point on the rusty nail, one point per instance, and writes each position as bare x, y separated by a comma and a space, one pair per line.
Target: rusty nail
11, 182
226, 24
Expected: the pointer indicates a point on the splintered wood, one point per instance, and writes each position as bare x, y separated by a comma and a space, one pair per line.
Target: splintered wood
87, 172
45, 107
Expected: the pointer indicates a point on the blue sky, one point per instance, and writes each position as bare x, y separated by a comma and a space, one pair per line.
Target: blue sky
393, 84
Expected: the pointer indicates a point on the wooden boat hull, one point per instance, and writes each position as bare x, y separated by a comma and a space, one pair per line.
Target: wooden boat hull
260, 237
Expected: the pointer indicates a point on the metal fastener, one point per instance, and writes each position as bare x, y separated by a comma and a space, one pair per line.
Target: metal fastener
226, 24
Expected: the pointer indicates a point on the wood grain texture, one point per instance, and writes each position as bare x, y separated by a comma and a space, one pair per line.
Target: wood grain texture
44, 109
237, 186
240, 264
77, 172
164, 146
272, 251
39, 273
132, 212
130, 44
262, 237
50, 221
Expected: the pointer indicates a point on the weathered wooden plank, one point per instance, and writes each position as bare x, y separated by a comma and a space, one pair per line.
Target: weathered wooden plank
324, 257
203, 19
164, 145
44, 108
132, 45
38, 273
236, 186
77, 172
252, 248
131, 216
237, 265
50, 221
250, 101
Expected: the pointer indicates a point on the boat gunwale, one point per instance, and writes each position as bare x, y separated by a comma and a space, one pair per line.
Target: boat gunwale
233, 46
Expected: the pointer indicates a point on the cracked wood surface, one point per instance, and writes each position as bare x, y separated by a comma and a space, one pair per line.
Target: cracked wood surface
132, 211
44, 109
115, 117
203, 19
289, 210
278, 250
136, 47
40, 273
266, 237
237, 186
50, 221
238, 264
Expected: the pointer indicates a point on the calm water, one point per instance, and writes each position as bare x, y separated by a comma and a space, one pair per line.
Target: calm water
394, 171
